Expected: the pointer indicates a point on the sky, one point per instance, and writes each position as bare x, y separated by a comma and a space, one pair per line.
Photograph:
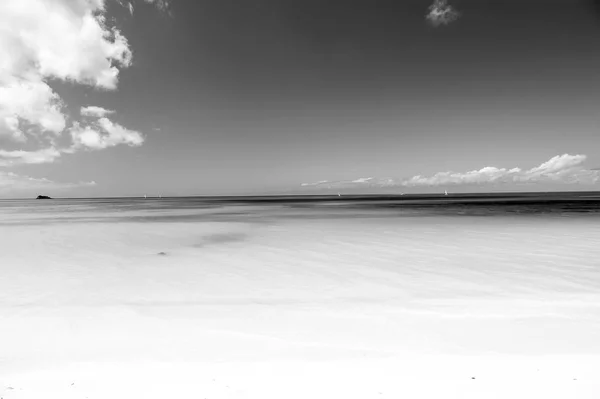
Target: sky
228, 97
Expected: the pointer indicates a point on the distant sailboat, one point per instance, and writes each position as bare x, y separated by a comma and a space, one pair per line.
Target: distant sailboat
445, 192
145, 196
339, 195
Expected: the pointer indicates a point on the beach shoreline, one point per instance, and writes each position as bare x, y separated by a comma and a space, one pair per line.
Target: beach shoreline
268, 306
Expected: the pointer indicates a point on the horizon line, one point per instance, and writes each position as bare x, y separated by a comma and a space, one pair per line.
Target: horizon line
318, 195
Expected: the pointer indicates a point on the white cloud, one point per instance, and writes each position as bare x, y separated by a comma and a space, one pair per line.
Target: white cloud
32, 101
94, 111
45, 40
441, 13
66, 40
560, 169
488, 174
316, 183
10, 158
61, 39
566, 169
360, 182
558, 164
363, 180
14, 184
103, 134
42, 41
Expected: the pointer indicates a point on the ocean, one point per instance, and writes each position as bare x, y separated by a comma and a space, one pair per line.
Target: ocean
488, 295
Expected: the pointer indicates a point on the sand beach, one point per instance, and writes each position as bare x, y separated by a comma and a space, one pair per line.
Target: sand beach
241, 306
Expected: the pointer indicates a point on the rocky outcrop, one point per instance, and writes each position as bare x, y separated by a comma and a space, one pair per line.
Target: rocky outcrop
43, 197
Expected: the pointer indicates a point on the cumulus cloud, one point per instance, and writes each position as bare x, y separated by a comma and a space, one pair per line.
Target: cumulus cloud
14, 184
103, 134
100, 134
441, 13
561, 169
42, 41
17, 157
94, 111
61, 39
31, 101
488, 174
558, 165
566, 169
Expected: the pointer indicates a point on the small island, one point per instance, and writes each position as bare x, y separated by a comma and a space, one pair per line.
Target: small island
43, 197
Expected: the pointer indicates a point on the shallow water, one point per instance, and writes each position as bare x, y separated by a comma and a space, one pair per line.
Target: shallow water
255, 280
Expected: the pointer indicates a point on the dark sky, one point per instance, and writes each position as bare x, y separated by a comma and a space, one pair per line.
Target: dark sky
251, 96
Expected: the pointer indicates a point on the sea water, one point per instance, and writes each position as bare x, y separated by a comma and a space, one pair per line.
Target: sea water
371, 283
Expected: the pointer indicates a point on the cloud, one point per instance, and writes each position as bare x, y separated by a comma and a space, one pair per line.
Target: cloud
560, 169
103, 134
322, 182
11, 158
94, 111
42, 41
12, 183
356, 183
98, 135
564, 169
441, 13
61, 39
363, 180
162, 5
558, 164
488, 174
32, 101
